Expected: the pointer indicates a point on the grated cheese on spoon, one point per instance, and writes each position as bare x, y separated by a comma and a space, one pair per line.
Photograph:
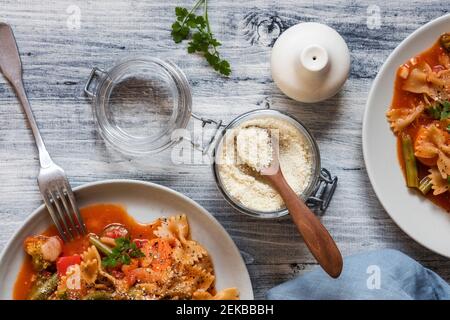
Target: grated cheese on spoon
254, 147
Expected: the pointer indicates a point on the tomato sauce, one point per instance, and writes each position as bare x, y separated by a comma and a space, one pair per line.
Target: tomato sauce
404, 99
96, 217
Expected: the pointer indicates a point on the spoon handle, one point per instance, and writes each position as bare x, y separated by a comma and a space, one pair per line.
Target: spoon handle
315, 235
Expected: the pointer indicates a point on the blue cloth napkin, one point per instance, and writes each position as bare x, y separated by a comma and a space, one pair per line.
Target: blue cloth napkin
383, 274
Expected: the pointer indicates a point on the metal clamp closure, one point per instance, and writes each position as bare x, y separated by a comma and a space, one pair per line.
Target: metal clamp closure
324, 191
95, 73
202, 146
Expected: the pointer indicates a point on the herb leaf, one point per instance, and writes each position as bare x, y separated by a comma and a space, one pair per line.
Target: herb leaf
434, 111
445, 110
440, 110
122, 253
202, 40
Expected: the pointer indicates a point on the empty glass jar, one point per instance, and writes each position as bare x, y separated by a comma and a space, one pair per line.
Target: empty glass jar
138, 103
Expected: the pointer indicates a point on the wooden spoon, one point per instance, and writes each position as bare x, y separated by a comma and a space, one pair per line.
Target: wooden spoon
315, 235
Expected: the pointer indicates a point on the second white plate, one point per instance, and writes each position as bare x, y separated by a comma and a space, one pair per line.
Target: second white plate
418, 217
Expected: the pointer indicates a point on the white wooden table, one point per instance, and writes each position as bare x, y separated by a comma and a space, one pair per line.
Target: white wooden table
57, 60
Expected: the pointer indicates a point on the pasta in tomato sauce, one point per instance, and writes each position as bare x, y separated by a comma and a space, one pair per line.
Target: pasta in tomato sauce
119, 259
420, 117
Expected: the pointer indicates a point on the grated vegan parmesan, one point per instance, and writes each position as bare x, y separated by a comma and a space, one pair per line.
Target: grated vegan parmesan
243, 183
254, 147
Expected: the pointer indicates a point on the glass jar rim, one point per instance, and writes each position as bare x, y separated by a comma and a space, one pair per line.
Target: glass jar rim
316, 166
119, 139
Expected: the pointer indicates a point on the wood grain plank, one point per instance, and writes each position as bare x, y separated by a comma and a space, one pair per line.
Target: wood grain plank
57, 62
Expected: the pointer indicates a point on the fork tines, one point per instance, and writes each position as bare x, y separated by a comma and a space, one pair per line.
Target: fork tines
62, 207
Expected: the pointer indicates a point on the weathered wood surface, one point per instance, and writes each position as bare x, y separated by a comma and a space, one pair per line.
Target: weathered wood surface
57, 61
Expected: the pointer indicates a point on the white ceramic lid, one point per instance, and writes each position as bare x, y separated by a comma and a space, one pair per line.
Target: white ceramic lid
310, 62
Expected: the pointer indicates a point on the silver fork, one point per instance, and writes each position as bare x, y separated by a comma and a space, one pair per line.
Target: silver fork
52, 180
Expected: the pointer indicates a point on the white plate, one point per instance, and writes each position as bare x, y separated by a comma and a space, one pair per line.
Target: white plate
145, 202
418, 217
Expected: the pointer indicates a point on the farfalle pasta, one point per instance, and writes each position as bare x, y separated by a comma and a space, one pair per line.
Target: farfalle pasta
439, 184
400, 118
90, 265
129, 262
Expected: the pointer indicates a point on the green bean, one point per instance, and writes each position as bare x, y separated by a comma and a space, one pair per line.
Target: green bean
100, 246
98, 295
412, 178
44, 290
425, 185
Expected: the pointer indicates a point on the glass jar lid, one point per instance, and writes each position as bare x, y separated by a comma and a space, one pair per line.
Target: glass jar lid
139, 103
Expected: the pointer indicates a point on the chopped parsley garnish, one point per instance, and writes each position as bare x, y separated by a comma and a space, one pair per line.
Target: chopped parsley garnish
122, 253
440, 111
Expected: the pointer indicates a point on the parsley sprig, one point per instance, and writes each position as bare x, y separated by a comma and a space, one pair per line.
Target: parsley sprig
202, 40
440, 110
122, 253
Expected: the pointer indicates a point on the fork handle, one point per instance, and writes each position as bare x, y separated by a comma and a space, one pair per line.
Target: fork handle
44, 157
11, 67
